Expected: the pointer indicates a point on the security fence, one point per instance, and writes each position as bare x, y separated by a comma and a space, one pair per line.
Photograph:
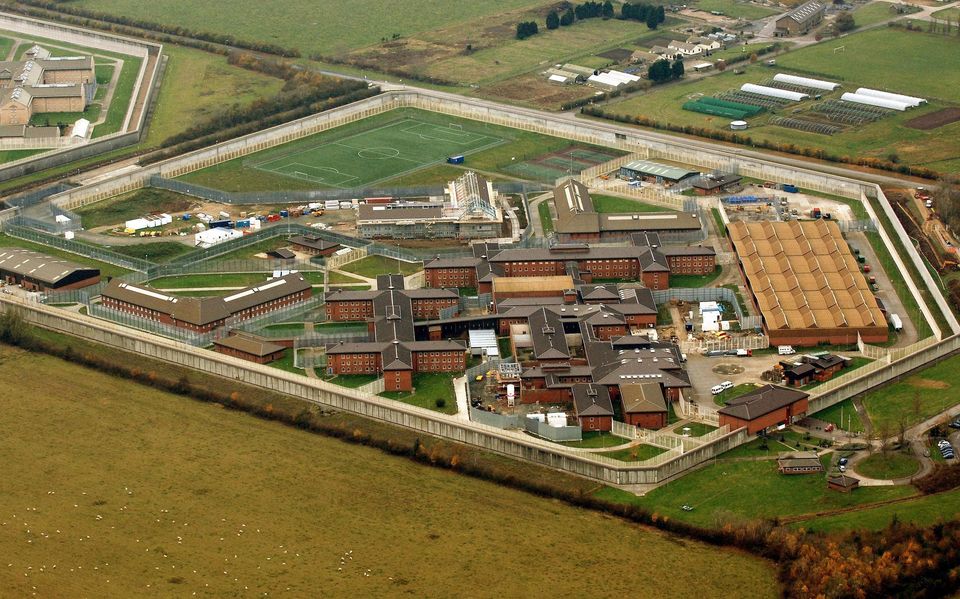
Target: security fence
556, 434
293, 313
703, 294
374, 387
17, 228
749, 342
32, 198
152, 326
320, 195
504, 421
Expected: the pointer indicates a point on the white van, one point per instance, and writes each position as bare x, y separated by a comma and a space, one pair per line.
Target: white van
716, 389
786, 350
726, 385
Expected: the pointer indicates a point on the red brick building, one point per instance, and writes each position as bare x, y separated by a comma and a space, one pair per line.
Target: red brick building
643, 405
593, 407
249, 348
450, 272
690, 260
204, 314
425, 304
764, 408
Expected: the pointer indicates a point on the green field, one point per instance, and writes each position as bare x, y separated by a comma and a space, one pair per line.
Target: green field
592, 439
166, 497
605, 204
546, 218
6, 44
882, 58
373, 155
122, 96
52, 119
735, 9
952, 14
11, 155
731, 491
868, 14
136, 204
887, 58
637, 453
303, 24
198, 85
155, 251
888, 465
371, 266
843, 415
496, 149
431, 390
923, 511
695, 280
915, 398
697, 429
339, 277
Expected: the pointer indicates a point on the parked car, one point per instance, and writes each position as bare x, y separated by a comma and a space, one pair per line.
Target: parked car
843, 461
955, 423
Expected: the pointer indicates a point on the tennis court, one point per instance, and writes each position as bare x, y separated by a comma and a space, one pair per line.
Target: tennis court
370, 156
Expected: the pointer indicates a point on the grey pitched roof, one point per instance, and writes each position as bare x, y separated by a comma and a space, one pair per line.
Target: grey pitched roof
642, 398
546, 332
40, 267
313, 241
249, 345
759, 402
592, 400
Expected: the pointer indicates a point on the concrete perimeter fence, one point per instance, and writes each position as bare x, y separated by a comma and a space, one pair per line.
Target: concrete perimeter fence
508, 443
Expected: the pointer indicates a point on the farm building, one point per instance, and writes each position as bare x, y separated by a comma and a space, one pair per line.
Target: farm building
806, 283
39, 272
801, 19
644, 405
470, 210
647, 170
764, 408
593, 407
249, 348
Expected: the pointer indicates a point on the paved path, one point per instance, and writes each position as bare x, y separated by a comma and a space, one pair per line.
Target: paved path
463, 407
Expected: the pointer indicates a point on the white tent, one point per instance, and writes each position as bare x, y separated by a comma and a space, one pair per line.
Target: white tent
621, 76
908, 100
772, 92
806, 82
874, 101
212, 237
81, 128
558, 79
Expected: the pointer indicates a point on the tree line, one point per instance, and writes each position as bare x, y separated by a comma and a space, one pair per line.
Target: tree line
129, 25
662, 70
647, 13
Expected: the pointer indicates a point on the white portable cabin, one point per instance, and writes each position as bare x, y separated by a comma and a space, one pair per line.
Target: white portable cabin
806, 82
895, 322
773, 92
909, 100
81, 129
212, 237
874, 101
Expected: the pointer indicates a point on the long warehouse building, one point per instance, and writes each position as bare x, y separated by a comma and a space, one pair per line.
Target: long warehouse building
806, 283
39, 272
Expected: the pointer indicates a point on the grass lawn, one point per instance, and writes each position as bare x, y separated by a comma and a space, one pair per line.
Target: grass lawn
294, 328
161, 251
697, 429
915, 398
286, 363
52, 119
339, 277
695, 280
106, 269
922, 511
371, 266
122, 96
637, 453
716, 492
400, 130
843, 415
11, 155
904, 56
951, 14
597, 439
334, 327
198, 85
613, 204
169, 492
351, 380
546, 218
889, 465
6, 44
735, 9
430, 390
230, 279
136, 204
855, 362
868, 14
733, 393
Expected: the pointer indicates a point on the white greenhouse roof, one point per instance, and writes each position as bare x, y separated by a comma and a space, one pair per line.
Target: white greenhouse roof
772, 92
806, 82
873, 101
908, 100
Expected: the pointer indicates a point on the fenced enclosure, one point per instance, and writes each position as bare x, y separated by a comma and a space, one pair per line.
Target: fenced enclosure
18, 227
557, 434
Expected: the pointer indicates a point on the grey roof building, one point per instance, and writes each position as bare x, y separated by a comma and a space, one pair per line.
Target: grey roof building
38, 271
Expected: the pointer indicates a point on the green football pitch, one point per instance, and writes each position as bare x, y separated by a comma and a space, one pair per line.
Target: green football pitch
370, 156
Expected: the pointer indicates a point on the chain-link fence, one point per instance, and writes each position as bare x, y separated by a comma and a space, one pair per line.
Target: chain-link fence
320, 195
294, 313
19, 229
152, 326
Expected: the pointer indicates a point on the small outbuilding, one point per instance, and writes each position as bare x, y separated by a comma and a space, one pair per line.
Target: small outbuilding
799, 462
843, 483
249, 348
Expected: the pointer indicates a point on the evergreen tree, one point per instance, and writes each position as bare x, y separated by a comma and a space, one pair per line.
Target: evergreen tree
677, 69
568, 17
553, 20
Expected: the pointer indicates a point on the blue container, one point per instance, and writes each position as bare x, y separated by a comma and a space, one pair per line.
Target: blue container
284, 214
